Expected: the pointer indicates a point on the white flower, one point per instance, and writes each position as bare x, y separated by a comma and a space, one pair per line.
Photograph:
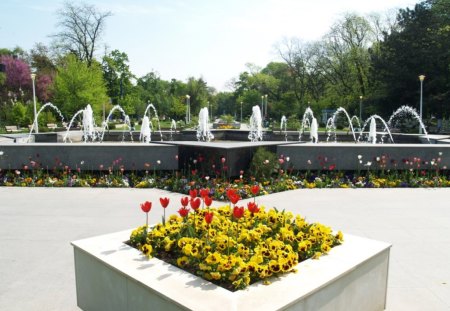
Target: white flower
266, 162
287, 159
378, 159
207, 178
158, 162
359, 157
1, 153
195, 161
360, 161
82, 162
309, 162
440, 153
368, 163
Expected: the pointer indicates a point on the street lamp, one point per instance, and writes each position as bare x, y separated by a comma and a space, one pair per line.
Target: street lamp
188, 109
35, 124
241, 112
262, 105
360, 108
265, 114
421, 78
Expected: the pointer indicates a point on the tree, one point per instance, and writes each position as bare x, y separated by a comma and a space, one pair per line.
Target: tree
420, 45
81, 30
77, 85
17, 85
41, 61
117, 75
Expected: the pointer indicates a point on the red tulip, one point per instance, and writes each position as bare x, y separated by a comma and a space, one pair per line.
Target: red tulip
238, 212
255, 189
195, 203
207, 200
204, 192
235, 198
185, 201
222, 160
164, 202
231, 192
253, 207
183, 211
193, 193
146, 206
209, 217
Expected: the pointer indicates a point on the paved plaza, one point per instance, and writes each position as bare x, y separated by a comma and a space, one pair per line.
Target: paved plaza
37, 225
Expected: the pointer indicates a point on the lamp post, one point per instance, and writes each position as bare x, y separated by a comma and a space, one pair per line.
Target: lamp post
188, 109
241, 112
209, 109
360, 108
265, 114
262, 105
35, 124
421, 78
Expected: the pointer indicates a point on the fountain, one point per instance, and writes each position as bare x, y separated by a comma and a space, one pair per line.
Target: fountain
373, 131
233, 154
88, 125
203, 132
314, 135
173, 128
255, 125
306, 123
35, 122
145, 135
331, 125
126, 120
283, 126
147, 109
404, 111
372, 137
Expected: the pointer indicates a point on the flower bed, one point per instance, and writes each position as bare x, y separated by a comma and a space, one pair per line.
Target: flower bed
233, 247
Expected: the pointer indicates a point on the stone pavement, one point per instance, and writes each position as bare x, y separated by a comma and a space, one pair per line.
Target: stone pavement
37, 225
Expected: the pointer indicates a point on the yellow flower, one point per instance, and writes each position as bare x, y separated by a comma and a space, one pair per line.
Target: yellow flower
182, 261
147, 249
215, 275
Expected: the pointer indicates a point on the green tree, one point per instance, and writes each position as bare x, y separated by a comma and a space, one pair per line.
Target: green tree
117, 75
420, 45
77, 85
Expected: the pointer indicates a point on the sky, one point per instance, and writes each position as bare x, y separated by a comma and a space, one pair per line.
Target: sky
212, 39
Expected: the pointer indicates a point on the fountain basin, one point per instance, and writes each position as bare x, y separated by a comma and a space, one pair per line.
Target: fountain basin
208, 155
116, 276
344, 156
90, 156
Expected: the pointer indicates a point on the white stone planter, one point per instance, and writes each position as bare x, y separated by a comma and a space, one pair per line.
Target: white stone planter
110, 275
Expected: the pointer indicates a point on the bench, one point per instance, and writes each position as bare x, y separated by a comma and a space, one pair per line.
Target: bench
51, 126
11, 129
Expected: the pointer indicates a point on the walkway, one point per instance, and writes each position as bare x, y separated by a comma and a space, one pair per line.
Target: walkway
37, 225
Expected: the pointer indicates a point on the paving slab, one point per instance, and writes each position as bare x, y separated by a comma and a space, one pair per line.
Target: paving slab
37, 225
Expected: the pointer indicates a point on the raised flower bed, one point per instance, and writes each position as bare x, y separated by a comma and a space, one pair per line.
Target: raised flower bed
110, 275
228, 249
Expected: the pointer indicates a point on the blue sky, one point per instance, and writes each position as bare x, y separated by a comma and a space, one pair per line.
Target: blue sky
213, 39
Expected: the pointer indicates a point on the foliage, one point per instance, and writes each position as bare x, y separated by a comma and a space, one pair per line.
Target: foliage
77, 85
117, 76
419, 46
18, 79
264, 163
